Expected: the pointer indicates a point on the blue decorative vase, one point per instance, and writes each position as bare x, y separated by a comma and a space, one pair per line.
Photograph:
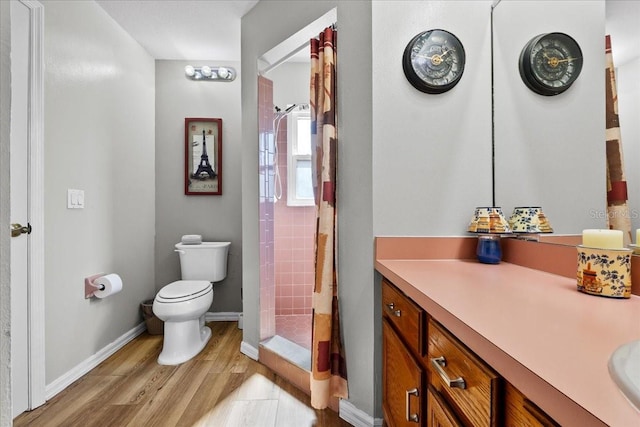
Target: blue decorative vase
488, 250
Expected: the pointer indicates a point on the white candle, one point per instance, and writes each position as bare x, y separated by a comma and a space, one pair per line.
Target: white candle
638, 236
603, 239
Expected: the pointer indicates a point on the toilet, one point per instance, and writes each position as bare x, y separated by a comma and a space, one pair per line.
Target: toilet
183, 304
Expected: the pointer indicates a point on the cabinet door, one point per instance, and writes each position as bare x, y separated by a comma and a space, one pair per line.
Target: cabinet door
438, 412
521, 412
402, 382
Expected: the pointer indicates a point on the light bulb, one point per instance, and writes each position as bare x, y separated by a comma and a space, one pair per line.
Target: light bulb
223, 72
206, 71
189, 70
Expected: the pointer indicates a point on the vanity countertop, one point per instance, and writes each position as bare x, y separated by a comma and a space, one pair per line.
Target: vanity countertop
534, 328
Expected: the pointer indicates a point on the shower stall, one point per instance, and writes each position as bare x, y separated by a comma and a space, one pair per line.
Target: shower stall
287, 219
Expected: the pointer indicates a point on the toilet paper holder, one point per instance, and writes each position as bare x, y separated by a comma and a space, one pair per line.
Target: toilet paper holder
90, 287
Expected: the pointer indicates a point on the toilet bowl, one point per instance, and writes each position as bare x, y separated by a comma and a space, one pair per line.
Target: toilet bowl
182, 304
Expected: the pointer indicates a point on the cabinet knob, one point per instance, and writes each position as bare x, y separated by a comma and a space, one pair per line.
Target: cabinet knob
411, 417
391, 306
439, 363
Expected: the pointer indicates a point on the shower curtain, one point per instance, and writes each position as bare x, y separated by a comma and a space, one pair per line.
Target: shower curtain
618, 217
328, 367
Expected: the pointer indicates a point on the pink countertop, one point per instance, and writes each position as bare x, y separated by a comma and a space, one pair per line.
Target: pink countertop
534, 328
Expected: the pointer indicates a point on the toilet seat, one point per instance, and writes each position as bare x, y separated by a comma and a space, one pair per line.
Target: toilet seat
183, 290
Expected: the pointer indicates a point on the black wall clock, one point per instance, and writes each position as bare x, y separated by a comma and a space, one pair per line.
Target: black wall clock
433, 61
550, 63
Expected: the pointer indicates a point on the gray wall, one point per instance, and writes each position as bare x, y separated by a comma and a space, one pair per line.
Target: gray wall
99, 137
290, 83
629, 110
357, 293
216, 218
5, 247
550, 150
432, 153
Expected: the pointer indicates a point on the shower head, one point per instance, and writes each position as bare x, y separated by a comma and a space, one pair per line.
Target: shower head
291, 107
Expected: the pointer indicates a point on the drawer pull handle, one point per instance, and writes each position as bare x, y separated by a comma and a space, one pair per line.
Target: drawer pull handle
391, 307
411, 417
440, 362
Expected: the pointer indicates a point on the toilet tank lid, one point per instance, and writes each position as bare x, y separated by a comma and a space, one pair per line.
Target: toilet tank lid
203, 245
191, 239
184, 288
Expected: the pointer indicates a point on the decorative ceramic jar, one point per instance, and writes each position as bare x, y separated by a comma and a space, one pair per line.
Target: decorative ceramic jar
488, 220
529, 219
604, 272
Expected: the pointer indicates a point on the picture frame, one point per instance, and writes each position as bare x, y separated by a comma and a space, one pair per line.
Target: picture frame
203, 156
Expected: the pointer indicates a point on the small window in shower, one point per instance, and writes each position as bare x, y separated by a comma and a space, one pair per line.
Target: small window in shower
299, 182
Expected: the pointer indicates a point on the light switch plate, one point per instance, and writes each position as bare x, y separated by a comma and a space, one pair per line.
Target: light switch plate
75, 199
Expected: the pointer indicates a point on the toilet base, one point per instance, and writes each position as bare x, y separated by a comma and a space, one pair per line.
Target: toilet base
183, 340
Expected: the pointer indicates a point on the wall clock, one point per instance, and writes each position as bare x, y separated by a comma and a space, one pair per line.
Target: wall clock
433, 61
550, 63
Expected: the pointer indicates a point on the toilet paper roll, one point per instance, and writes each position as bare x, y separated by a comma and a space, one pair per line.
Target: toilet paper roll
107, 285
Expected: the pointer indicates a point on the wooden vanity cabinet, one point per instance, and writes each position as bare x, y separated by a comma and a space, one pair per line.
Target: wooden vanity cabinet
431, 379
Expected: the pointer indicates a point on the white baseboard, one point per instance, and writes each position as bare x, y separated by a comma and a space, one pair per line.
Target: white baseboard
249, 350
88, 364
222, 316
356, 417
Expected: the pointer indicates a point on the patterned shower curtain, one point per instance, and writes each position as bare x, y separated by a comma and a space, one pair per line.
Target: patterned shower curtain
328, 367
618, 217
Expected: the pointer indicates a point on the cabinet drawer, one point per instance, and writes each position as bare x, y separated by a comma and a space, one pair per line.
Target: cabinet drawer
470, 386
405, 315
521, 412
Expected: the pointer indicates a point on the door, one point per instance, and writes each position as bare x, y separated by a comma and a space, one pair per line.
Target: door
27, 206
19, 208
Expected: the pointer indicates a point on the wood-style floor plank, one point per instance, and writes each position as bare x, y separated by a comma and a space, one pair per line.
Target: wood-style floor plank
220, 387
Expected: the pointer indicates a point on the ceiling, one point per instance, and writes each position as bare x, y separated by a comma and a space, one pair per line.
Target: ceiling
210, 30
183, 29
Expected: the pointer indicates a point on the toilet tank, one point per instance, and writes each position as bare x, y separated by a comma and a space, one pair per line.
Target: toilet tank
206, 261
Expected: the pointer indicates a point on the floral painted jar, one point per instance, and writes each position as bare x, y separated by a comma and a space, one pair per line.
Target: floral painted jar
604, 272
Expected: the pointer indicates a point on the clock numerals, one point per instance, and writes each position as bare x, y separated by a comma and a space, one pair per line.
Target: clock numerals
550, 63
433, 61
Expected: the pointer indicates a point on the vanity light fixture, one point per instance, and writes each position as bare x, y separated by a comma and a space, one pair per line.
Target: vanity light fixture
207, 73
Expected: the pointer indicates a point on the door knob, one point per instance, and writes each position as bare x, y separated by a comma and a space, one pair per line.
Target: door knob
18, 229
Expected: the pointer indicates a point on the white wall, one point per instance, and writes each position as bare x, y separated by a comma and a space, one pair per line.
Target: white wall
99, 137
5, 274
432, 153
216, 218
550, 150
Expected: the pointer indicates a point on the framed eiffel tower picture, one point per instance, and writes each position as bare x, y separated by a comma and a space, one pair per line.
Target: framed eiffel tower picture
203, 156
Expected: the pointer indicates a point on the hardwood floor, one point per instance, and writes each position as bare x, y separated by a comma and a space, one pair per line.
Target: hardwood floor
220, 387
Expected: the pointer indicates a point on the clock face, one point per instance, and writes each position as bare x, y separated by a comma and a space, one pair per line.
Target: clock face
550, 63
433, 61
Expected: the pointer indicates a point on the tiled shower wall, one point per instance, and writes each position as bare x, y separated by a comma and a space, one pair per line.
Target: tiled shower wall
266, 159
294, 244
